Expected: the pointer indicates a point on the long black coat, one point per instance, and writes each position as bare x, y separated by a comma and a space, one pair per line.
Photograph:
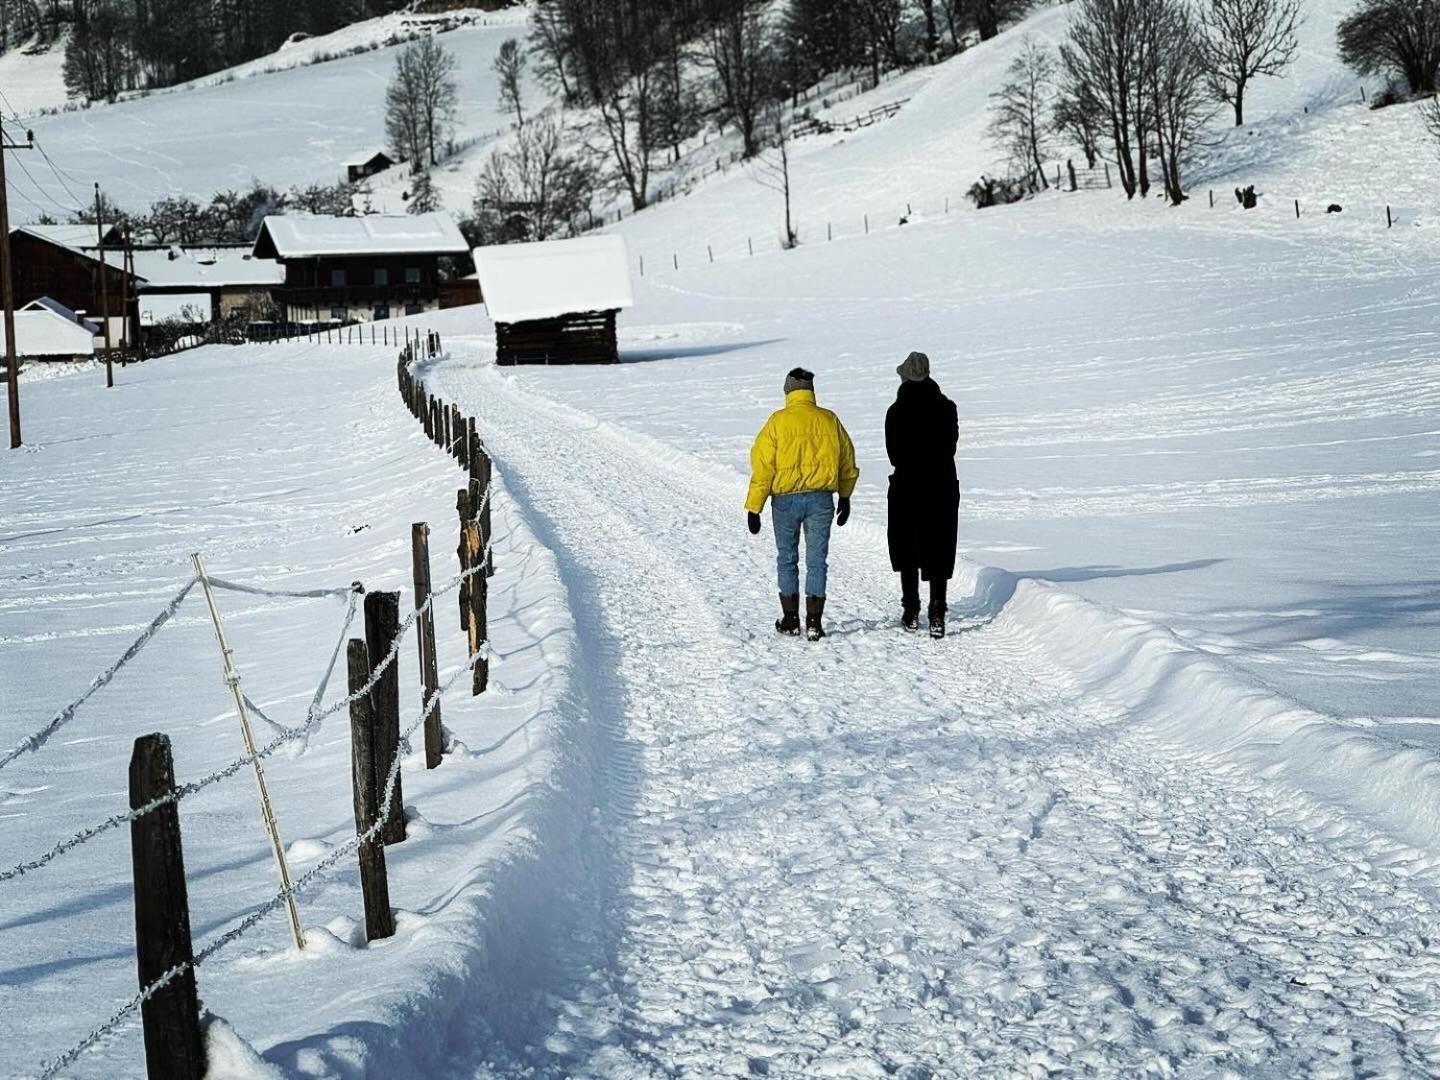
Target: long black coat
921, 430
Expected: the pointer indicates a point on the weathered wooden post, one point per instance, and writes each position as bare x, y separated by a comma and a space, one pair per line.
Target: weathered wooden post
1212, 198
711, 251
750, 243
382, 626
174, 1049
1389, 221
367, 777
675, 258
428, 419
1297, 209
867, 224
425, 637
462, 551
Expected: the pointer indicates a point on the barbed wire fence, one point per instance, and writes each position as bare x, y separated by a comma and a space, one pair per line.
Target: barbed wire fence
455, 433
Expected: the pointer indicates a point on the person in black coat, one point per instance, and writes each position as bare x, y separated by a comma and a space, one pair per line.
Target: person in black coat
921, 430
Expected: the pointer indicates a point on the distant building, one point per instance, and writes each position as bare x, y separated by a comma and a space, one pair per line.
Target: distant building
352, 269
368, 164
62, 262
555, 301
218, 282
46, 329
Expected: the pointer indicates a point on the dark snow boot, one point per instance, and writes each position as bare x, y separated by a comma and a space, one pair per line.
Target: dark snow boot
789, 621
814, 611
937, 620
910, 600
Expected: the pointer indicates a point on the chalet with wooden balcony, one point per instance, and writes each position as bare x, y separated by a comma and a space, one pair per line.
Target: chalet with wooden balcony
355, 269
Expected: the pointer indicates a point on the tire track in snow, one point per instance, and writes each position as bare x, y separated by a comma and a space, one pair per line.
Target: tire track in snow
886, 856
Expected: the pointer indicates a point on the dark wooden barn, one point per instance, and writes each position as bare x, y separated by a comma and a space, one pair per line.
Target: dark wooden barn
556, 301
62, 262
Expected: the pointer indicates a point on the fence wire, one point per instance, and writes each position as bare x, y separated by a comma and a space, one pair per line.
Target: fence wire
314, 718
53, 1067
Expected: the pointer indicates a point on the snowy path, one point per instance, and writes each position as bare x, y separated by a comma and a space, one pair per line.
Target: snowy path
887, 856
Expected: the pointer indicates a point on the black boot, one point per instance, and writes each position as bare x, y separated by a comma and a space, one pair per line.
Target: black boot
937, 608
910, 599
814, 611
789, 621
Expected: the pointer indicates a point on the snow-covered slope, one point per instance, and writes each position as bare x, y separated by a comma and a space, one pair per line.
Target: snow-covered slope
293, 126
31, 79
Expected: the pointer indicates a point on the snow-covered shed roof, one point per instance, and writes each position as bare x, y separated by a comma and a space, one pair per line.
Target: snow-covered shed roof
40, 330
365, 157
550, 278
50, 304
294, 236
205, 268
75, 237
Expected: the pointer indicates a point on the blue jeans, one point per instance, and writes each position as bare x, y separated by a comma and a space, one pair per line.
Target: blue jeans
813, 512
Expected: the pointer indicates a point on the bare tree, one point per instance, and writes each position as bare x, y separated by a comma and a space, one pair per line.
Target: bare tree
1179, 93
1430, 112
420, 102
1104, 57
1079, 117
424, 199
537, 189
1381, 37
771, 167
738, 48
1242, 40
510, 71
1020, 118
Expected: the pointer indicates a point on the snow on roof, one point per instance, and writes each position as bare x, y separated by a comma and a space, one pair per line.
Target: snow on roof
550, 278
50, 304
367, 156
41, 331
75, 237
301, 235
206, 268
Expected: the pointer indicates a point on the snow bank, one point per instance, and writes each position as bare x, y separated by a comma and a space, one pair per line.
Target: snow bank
1189, 698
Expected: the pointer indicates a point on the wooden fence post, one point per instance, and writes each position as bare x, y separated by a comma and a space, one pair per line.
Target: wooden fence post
1107, 174
462, 511
425, 637
1389, 221
367, 778
173, 1046
1297, 209
382, 626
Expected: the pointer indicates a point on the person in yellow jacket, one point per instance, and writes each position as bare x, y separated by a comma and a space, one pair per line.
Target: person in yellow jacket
801, 459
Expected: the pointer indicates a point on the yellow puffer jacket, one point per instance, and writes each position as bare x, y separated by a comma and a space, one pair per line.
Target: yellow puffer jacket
801, 448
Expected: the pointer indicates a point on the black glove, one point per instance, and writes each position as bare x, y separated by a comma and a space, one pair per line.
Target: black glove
753, 520
844, 514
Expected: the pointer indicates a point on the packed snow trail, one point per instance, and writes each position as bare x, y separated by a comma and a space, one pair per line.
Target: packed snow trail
882, 855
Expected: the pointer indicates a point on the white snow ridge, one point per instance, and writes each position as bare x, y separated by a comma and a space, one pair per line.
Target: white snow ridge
1164, 803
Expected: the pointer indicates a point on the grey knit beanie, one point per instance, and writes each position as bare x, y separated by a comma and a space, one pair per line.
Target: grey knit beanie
916, 368
799, 379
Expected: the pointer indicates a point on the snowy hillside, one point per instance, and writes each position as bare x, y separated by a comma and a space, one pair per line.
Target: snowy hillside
31, 79
290, 126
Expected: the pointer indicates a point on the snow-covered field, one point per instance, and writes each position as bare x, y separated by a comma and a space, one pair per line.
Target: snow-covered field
1165, 803
290, 468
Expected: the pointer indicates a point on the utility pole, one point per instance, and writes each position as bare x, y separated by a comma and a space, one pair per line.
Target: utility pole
7, 292
104, 289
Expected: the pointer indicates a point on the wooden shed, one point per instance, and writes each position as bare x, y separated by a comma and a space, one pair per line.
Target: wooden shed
555, 301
